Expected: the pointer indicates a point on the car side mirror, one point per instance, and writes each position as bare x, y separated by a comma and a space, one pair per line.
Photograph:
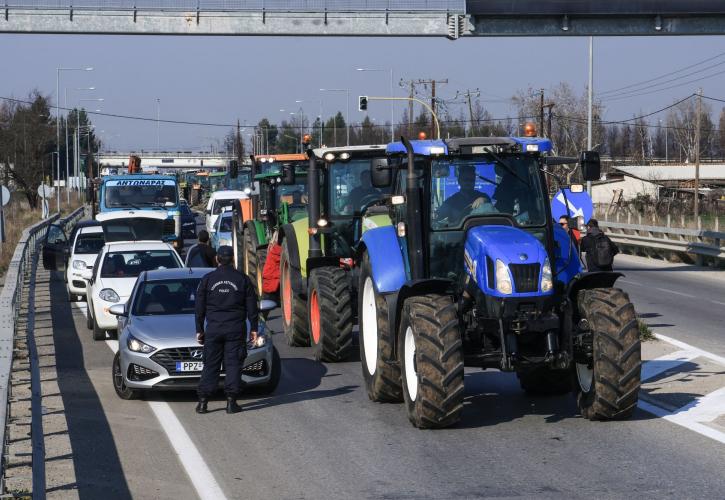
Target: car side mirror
87, 274
288, 174
591, 165
381, 174
118, 310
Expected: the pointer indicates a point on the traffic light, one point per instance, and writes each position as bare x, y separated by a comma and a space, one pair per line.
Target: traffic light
363, 104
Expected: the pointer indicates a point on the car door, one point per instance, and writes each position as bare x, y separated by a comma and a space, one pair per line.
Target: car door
55, 248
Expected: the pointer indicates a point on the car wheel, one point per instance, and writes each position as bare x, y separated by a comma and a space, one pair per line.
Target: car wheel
119, 382
98, 332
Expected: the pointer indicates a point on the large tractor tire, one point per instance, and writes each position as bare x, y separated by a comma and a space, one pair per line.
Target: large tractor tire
254, 258
294, 308
607, 386
381, 374
544, 381
431, 356
329, 303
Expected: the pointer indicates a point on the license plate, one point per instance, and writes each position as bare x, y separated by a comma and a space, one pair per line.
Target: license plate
189, 366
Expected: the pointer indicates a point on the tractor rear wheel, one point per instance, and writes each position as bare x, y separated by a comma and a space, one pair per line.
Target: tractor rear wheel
431, 356
254, 257
380, 372
544, 381
294, 308
330, 314
607, 385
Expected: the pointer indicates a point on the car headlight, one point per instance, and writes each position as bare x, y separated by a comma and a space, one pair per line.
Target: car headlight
546, 283
109, 295
79, 265
136, 345
503, 278
260, 342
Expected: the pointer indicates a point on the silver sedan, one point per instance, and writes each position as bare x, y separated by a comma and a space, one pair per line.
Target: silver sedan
157, 348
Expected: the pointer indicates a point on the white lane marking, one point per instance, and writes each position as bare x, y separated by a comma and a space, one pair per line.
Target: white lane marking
695, 414
201, 477
675, 293
630, 282
683, 345
654, 367
716, 302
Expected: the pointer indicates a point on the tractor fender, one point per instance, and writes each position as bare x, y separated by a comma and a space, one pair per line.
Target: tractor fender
412, 288
585, 281
287, 233
386, 259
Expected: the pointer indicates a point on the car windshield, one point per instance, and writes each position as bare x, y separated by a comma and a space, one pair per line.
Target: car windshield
125, 194
130, 264
481, 185
221, 204
163, 297
225, 225
90, 243
351, 187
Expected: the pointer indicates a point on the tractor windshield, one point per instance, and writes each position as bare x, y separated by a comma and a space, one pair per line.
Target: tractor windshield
482, 185
351, 188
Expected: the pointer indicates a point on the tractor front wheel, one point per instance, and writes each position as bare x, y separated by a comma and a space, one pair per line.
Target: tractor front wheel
294, 308
330, 314
607, 383
380, 372
431, 355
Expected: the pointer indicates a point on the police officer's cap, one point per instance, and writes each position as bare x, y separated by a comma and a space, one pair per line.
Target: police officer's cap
225, 251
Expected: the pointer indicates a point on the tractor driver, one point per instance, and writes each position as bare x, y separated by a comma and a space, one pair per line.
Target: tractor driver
457, 206
361, 192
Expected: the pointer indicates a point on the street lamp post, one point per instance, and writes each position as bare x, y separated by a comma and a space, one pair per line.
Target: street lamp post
76, 156
392, 107
347, 111
300, 101
57, 123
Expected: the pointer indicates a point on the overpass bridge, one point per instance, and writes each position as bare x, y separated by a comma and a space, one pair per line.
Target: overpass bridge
166, 162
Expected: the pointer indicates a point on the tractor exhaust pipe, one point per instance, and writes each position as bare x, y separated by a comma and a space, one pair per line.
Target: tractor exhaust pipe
413, 216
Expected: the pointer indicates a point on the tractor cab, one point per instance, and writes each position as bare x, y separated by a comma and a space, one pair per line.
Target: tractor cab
282, 187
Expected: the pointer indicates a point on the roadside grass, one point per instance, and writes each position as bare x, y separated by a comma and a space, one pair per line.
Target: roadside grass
18, 216
645, 332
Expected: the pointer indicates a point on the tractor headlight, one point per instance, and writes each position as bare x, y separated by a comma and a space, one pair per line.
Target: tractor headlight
503, 278
109, 295
546, 283
329, 157
136, 345
79, 265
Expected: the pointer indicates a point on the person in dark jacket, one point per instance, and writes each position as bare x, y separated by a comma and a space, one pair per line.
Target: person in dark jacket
599, 249
201, 254
225, 299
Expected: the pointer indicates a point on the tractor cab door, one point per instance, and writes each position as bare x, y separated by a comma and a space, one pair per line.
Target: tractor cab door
55, 248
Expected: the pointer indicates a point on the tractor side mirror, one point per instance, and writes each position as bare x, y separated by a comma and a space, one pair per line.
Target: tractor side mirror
381, 175
591, 166
288, 174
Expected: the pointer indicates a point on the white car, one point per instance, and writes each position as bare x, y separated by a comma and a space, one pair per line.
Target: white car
133, 245
217, 202
84, 249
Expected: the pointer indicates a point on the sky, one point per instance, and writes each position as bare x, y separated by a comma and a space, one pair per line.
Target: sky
225, 79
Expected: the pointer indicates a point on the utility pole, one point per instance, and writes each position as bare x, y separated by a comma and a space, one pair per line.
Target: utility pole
432, 83
589, 103
541, 114
411, 96
697, 153
467, 95
550, 107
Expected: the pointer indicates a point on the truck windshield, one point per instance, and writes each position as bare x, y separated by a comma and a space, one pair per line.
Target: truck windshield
351, 188
481, 185
140, 193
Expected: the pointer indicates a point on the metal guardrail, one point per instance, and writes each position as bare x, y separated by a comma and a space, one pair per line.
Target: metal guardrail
24, 261
454, 6
692, 241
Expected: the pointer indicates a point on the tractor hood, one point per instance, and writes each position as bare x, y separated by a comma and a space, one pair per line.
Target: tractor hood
523, 255
132, 225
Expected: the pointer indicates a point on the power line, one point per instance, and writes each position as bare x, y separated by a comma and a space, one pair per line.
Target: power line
617, 98
664, 75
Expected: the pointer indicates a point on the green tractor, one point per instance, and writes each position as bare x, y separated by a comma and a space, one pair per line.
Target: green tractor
278, 197
317, 282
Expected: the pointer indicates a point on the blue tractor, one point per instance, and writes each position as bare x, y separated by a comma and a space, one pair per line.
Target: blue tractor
473, 271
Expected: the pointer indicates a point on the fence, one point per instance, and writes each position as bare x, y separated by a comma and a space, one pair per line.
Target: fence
659, 239
23, 262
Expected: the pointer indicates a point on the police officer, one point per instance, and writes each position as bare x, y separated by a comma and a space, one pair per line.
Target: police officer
225, 298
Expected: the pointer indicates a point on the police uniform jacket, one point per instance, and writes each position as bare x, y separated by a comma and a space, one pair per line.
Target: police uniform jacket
225, 299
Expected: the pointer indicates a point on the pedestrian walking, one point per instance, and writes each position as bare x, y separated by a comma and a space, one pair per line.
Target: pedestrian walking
201, 254
599, 248
225, 299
